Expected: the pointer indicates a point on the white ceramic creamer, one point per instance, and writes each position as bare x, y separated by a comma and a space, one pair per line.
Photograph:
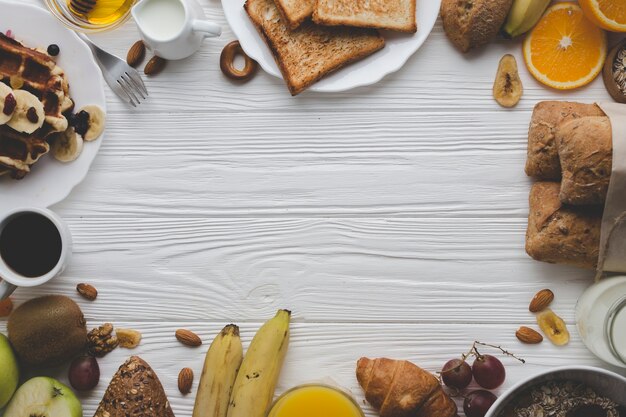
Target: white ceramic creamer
173, 29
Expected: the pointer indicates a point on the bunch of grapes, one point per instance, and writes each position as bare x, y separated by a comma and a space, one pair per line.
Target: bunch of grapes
486, 370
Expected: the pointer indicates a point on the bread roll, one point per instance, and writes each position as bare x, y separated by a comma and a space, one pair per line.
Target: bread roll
134, 391
543, 159
585, 151
471, 24
562, 234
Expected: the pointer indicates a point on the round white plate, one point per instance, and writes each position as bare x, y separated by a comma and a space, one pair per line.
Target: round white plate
398, 48
51, 181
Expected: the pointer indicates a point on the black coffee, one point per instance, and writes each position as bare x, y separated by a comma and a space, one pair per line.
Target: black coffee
30, 244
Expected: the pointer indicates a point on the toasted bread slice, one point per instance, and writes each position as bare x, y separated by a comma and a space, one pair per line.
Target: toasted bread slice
308, 53
295, 11
398, 15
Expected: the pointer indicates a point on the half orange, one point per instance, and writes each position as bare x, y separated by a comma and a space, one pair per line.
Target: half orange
608, 14
565, 50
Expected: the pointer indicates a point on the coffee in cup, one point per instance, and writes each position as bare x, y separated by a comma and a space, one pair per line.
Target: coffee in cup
34, 247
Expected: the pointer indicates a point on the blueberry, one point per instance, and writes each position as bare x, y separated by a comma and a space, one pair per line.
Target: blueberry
53, 50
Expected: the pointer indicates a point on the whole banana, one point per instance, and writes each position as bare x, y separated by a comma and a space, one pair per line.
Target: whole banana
221, 364
256, 381
523, 16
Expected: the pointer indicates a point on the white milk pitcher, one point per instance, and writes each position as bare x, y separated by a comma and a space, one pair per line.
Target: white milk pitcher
173, 29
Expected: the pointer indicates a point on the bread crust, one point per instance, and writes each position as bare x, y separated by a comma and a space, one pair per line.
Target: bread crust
320, 39
295, 16
542, 160
326, 17
562, 234
471, 24
585, 148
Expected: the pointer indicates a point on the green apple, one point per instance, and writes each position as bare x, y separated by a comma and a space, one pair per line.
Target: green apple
9, 371
44, 397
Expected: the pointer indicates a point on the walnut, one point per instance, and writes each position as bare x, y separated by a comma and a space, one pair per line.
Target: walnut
101, 341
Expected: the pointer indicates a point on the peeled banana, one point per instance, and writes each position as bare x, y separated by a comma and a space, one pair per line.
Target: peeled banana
523, 16
256, 381
221, 364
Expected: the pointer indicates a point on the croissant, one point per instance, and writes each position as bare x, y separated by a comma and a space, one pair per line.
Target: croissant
401, 389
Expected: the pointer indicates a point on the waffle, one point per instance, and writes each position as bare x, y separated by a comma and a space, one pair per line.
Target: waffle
19, 151
40, 75
36, 72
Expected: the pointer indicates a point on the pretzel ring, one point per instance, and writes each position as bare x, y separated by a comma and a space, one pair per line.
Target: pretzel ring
227, 60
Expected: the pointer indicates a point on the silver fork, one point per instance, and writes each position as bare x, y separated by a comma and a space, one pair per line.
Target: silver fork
123, 79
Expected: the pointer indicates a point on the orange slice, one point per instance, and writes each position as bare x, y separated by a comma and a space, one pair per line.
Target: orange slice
565, 50
608, 14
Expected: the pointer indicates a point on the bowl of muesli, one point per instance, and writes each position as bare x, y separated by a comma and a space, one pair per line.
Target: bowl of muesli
572, 391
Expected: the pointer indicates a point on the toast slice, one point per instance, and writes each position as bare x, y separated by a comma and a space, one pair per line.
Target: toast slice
307, 54
295, 11
397, 15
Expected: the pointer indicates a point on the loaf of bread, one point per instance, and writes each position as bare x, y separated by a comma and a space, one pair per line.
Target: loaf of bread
401, 389
585, 149
559, 233
543, 158
134, 391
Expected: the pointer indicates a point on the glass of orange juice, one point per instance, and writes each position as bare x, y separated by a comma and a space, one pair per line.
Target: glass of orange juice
315, 400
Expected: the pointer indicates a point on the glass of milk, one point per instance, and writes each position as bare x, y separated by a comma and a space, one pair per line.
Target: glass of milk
601, 320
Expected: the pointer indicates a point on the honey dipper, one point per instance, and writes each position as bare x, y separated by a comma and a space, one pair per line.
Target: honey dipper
82, 6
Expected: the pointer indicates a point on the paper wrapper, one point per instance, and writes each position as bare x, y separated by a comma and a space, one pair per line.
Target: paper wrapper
612, 257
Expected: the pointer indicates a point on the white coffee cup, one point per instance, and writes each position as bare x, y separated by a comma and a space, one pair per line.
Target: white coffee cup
10, 279
173, 29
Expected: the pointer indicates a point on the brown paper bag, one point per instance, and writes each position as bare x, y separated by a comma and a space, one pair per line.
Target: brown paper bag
612, 257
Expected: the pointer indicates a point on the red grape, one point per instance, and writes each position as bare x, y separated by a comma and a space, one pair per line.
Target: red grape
456, 373
84, 373
488, 371
477, 403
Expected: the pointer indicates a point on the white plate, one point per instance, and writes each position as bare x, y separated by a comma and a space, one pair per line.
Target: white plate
398, 48
51, 181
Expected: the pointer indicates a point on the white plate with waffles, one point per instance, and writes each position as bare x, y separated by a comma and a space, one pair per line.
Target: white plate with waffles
51, 181
399, 47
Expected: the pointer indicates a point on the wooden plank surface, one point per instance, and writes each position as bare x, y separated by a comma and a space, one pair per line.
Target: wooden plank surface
390, 218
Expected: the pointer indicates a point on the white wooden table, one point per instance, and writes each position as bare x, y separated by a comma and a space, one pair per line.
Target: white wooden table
390, 219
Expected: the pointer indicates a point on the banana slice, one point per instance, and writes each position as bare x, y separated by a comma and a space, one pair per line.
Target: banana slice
90, 128
67, 146
554, 327
29, 115
7, 103
507, 88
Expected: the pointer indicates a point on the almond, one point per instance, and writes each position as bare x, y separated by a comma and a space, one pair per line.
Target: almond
541, 300
185, 380
6, 306
528, 335
187, 337
154, 66
136, 54
87, 291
